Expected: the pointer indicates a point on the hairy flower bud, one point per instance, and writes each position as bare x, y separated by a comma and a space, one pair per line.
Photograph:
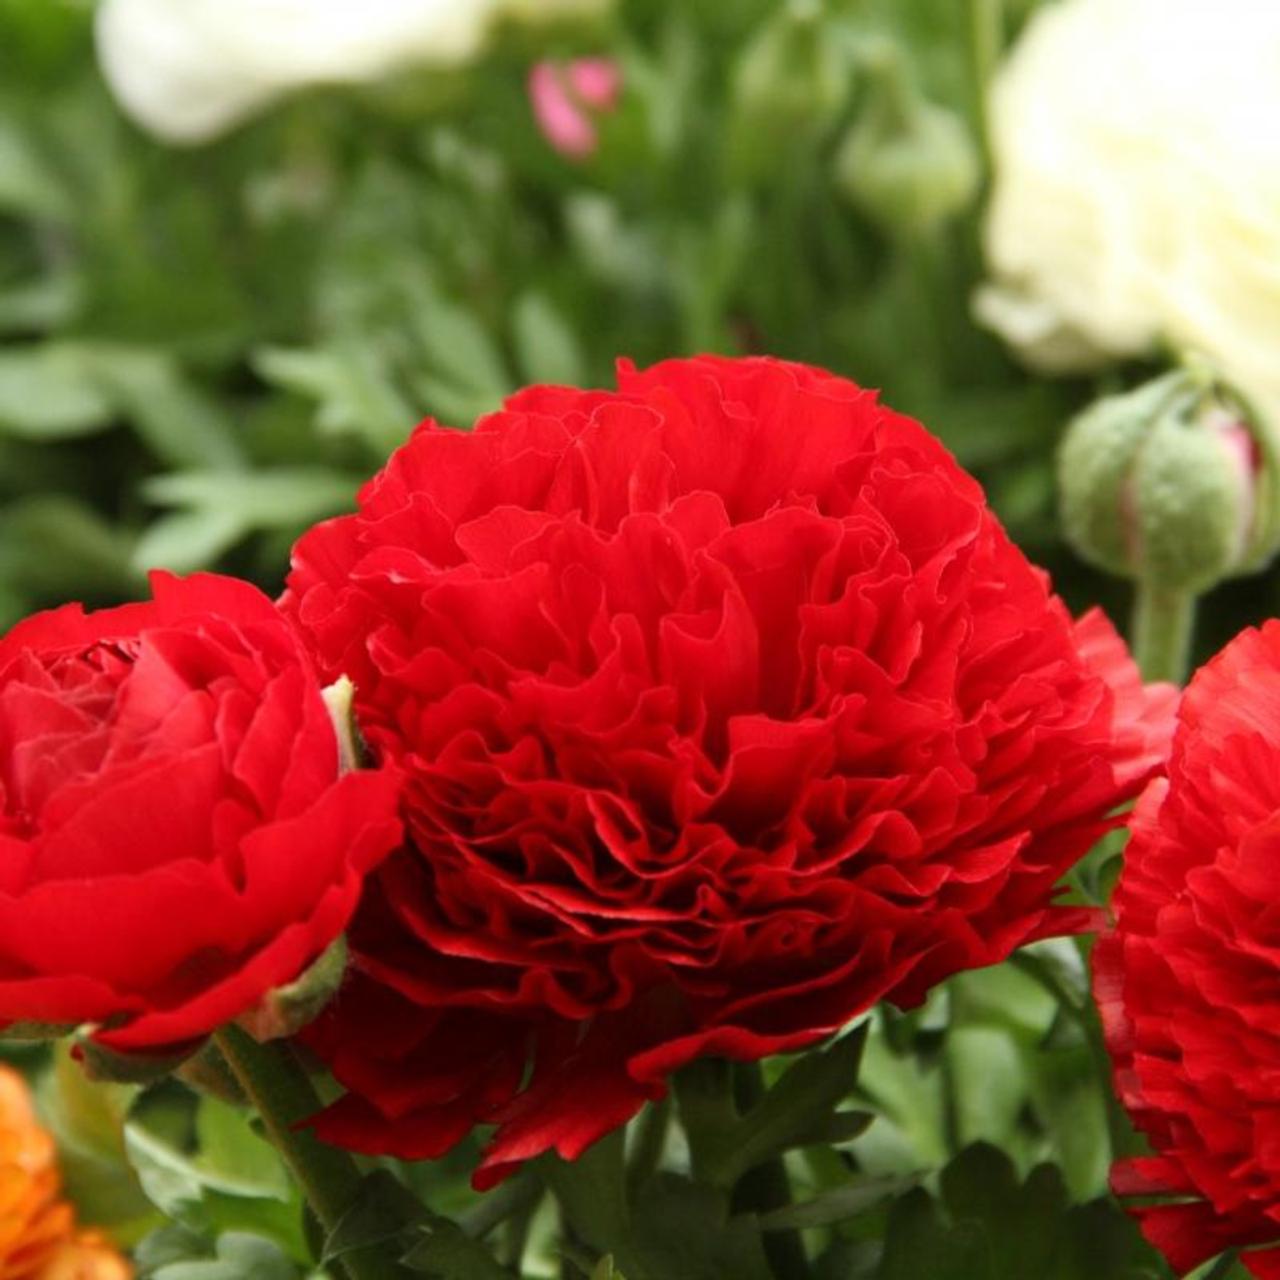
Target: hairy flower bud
791, 80
906, 163
1172, 483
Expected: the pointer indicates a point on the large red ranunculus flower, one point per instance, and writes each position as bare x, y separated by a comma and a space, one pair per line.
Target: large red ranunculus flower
175, 839
727, 709
1188, 980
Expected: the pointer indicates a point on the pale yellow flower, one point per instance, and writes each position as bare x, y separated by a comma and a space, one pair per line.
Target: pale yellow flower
1137, 186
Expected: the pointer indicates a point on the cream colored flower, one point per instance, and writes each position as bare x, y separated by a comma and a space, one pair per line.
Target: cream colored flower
1137, 192
188, 70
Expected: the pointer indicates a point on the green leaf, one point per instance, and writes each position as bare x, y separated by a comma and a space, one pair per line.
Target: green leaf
990, 1225
837, 1205
180, 423
188, 540
379, 1213
168, 1244
797, 1107
353, 384
223, 507
236, 1255
460, 350
86, 1113
55, 547
266, 499
920, 1243
592, 1191
683, 1231
87, 1120
51, 392
547, 350
45, 302
234, 1158
444, 1251
233, 1183
989, 1087
29, 184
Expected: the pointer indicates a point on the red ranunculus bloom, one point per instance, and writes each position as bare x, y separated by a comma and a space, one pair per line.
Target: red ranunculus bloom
175, 840
1189, 978
727, 709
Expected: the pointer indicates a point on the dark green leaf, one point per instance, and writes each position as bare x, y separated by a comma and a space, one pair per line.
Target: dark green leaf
837, 1205
682, 1230
384, 1209
793, 1110
441, 1249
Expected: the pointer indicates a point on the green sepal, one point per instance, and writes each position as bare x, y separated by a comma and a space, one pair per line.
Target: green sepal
286, 1010
112, 1067
35, 1032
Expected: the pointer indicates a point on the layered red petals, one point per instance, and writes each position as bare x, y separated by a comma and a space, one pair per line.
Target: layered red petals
175, 840
726, 709
1187, 979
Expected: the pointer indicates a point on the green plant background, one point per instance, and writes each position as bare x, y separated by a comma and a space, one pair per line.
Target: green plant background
202, 351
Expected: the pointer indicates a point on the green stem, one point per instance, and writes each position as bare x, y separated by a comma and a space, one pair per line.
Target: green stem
986, 42
1163, 626
274, 1081
767, 1186
1122, 1136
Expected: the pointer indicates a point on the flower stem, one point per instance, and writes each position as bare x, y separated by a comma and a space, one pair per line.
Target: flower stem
986, 43
274, 1081
1163, 626
767, 1187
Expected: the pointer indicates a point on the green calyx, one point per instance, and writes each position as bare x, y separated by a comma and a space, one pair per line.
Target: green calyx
906, 163
1172, 484
286, 1010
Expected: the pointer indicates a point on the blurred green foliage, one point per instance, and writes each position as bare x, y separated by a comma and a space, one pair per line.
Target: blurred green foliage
203, 350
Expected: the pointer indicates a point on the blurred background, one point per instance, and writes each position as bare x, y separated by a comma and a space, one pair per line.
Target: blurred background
244, 247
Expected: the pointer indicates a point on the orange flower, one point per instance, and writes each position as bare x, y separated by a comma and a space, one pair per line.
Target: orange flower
38, 1237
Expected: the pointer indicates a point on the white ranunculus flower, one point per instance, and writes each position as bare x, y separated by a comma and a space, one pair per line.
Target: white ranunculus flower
1137, 186
187, 70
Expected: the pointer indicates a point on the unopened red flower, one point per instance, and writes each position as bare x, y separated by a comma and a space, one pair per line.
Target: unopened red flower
727, 709
175, 839
1188, 980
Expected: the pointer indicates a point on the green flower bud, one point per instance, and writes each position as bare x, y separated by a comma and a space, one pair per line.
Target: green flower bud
906, 163
1173, 484
791, 81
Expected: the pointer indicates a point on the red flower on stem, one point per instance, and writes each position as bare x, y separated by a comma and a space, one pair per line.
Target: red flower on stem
726, 709
1187, 979
175, 839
